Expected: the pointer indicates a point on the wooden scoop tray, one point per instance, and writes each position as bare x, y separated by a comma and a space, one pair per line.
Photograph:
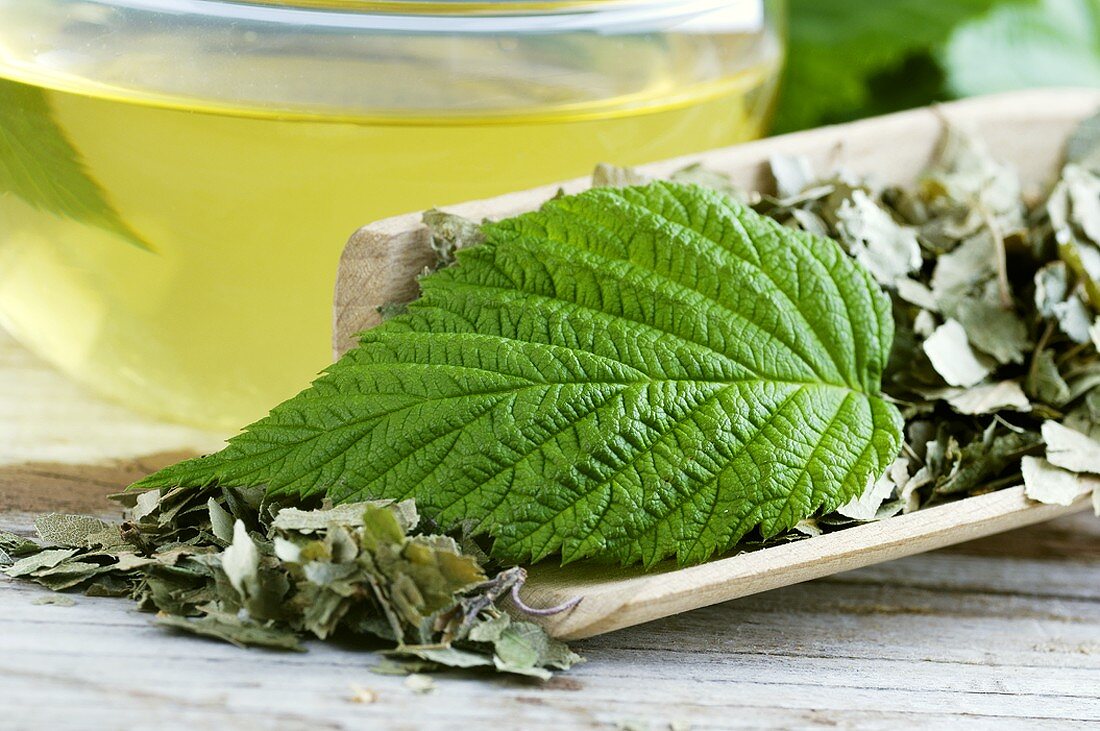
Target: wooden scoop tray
381, 262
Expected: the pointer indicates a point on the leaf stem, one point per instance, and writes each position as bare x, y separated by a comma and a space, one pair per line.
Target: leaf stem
549, 612
1033, 370
1002, 256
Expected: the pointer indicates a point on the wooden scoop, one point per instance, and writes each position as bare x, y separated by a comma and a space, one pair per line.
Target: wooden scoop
382, 260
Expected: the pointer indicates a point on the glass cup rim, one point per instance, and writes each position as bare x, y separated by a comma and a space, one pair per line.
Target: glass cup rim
208, 33
363, 12
464, 7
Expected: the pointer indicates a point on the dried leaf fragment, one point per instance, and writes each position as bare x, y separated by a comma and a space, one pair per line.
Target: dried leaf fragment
614, 176
1070, 449
951, 355
70, 531
866, 507
889, 250
362, 695
983, 399
241, 561
1045, 483
233, 629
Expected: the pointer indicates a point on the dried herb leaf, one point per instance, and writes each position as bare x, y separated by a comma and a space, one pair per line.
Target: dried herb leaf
221, 521
995, 331
449, 233
613, 176
241, 561
866, 506
985, 458
351, 515
888, 250
951, 355
1071, 450
984, 399
418, 683
1045, 483
35, 563
1045, 382
71, 531
792, 174
15, 546
1083, 146
233, 629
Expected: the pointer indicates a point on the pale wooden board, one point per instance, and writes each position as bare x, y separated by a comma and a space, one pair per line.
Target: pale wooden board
1027, 128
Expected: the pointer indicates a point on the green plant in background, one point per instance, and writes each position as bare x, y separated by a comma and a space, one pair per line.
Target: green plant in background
1031, 44
851, 58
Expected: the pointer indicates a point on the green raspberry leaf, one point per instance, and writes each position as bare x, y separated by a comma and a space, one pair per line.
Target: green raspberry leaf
627, 374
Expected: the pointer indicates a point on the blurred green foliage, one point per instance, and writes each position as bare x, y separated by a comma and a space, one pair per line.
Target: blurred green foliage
855, 58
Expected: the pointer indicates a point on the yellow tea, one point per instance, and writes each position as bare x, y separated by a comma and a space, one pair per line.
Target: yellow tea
190, 272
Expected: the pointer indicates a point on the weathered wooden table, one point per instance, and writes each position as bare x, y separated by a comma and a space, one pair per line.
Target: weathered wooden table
1001, 633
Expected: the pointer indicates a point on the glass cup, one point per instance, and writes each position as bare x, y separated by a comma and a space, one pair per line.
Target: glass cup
178, 177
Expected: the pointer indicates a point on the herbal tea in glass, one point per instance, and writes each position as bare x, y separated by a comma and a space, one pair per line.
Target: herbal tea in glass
176, 184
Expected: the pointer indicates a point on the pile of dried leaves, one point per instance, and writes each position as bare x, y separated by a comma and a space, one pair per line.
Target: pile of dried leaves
229, 564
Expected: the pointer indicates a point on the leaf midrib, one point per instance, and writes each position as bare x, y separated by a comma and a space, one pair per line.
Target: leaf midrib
344, 398
719, 384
